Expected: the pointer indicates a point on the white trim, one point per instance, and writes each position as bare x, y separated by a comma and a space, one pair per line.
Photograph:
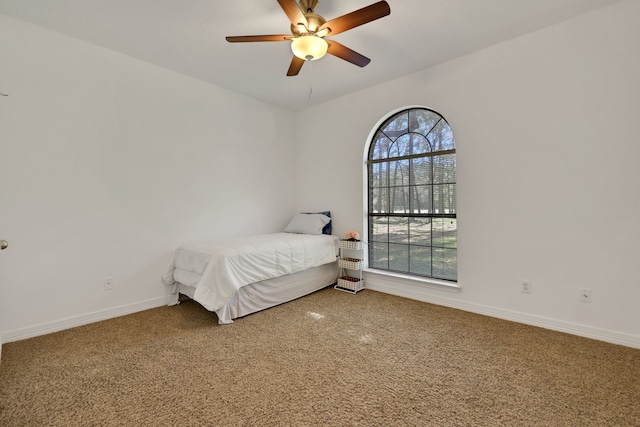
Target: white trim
402, 279
365, 195
417, 291
83, 319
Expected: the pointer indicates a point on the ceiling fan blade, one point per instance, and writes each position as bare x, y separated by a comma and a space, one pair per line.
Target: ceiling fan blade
296, 65
269, 38
294, 13
343, 52
356, 18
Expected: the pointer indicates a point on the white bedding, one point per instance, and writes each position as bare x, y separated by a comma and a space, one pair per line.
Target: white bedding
218, 269
269, 293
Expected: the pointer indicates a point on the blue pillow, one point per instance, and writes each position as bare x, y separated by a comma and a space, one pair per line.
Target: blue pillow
327, 228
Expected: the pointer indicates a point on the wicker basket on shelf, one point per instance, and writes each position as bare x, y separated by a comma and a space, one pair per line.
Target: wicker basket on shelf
350, 263
351, 283
355, 245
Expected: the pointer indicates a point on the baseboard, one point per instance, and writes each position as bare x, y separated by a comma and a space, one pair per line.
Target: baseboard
83, 319
412, 292
416, 293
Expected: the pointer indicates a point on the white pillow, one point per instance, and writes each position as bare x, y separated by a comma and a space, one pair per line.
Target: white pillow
307, 223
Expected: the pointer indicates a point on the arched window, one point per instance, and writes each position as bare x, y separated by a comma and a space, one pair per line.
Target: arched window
411, 170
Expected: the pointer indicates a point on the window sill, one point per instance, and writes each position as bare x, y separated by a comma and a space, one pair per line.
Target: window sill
441, 285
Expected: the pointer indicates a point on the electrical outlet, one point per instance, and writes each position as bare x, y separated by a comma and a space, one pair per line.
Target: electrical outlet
108, 283
526, 287
585, 295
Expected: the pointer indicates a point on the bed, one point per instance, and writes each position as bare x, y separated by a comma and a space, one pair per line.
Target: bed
239, 276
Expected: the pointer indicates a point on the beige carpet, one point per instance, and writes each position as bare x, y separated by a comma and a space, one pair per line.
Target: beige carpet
330, 358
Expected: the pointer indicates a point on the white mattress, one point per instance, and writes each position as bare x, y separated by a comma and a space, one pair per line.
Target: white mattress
217, 270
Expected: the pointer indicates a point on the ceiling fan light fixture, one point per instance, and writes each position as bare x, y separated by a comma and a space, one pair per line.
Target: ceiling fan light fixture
309, 47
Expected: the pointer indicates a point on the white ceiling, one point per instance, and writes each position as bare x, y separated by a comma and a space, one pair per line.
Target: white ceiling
188, 37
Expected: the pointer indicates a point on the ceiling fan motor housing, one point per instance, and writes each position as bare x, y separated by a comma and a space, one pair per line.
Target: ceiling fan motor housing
315, 21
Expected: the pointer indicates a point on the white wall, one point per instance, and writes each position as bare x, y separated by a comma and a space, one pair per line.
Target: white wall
547, 129
108, 163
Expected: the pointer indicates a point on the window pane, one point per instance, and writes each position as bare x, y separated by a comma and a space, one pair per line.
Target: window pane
399, 172
380, 229
421, 170
401, 147
380, 147
444, 233
379, 200
450, 206
399, 229
379, 255
445, 263
398, 257
396, 126
441, 137
420, 260
444, 199
421, 199
420, 231
419, 144
378, 175
444, 169
422, 121
399, 199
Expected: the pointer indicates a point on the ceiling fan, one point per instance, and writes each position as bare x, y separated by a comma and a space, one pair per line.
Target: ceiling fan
308, 32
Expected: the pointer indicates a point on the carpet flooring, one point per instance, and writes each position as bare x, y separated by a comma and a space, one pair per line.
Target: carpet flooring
328, 359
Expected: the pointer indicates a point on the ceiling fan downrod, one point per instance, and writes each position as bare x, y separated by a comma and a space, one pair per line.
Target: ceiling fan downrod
309, 6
